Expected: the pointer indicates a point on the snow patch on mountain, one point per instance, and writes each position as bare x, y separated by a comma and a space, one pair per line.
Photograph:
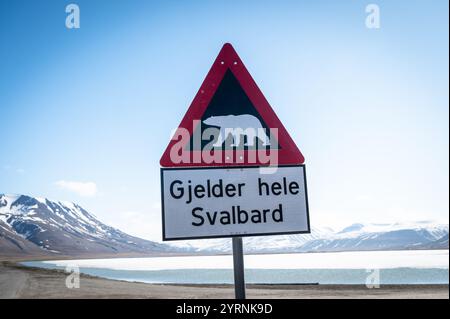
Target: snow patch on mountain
61, 227
419, 235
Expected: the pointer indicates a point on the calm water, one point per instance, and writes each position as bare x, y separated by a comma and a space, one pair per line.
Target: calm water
394, 267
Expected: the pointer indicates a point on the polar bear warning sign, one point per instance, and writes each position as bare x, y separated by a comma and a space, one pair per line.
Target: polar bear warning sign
231, 169
230, 123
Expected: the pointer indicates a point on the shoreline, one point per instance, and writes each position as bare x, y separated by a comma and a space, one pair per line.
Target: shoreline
18, 281
51, 257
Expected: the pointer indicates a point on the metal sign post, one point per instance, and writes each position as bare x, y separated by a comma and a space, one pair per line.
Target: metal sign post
238, 265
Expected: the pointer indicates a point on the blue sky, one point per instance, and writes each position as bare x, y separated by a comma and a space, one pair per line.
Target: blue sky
86, 113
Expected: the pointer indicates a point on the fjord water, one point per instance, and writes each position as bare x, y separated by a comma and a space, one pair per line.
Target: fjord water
391, 267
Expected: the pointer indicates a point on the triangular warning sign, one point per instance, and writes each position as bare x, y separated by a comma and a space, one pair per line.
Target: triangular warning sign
230, 123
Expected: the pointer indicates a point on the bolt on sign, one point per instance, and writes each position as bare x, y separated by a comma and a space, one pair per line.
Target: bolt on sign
231, 169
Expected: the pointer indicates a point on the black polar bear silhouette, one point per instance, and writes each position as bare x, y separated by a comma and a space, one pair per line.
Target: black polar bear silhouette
238, 126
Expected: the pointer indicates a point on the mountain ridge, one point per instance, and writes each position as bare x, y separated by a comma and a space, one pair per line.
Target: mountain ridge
31, 225
39, 226
392, 237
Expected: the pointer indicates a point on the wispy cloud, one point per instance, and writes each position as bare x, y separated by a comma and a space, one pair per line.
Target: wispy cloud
20, 171
87, 189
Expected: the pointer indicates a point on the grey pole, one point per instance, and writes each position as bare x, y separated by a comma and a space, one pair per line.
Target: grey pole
238, 262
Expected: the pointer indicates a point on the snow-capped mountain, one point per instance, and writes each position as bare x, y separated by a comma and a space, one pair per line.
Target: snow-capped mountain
40, 226
259, 244
420, 235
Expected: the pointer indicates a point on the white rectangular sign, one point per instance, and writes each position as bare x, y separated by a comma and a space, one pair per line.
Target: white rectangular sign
236, 201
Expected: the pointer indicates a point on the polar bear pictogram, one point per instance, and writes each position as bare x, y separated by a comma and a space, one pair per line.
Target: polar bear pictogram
238, 126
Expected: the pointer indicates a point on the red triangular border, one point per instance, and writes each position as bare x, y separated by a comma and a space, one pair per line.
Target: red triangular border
288, 154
